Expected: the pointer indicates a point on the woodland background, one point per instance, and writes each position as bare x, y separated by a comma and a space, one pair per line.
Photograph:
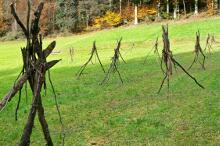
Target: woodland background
74, 16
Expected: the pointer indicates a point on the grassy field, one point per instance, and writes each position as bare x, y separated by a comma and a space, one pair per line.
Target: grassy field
118, 114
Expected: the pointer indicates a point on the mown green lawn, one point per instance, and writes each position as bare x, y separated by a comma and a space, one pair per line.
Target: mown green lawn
122, 114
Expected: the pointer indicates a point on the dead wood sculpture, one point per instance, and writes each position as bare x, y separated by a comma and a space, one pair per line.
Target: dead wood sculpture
169, 62
93, 52
213, 39
198, 50
209, 42
34, 71
114, 65
155, 49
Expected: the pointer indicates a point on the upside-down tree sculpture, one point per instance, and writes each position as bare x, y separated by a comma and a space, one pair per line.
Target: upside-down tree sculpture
209, 42
169, 62
35, 66
198, 50
213, 39
114, 65
155, 49
93, 52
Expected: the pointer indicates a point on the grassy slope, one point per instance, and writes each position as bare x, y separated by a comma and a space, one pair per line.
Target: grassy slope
129, 114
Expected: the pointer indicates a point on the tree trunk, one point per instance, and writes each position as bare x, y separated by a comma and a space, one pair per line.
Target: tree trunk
120, 7
215, 3
110, 4
184, 7
168, 7
158, 9
174, 13
218, 5
196, 7
176, 10
136, 14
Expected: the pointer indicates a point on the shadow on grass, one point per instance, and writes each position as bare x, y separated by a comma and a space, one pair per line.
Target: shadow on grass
115, 112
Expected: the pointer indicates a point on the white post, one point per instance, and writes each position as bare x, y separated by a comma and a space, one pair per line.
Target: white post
168, 7
120, 7
135, 15
158, 9
196, 8
174, 13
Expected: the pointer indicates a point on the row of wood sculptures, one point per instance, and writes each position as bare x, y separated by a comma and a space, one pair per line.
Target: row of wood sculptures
35, 67
167, 61
113, 66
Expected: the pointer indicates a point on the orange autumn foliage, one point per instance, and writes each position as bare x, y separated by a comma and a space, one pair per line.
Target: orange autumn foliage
128, 12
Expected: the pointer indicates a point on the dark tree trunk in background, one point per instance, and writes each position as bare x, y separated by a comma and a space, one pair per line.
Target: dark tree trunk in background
218, 5
184, 7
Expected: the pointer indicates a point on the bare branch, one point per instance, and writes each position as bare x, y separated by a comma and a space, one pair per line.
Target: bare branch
49, 49
13, 11
28, 18
17, 86
51, 64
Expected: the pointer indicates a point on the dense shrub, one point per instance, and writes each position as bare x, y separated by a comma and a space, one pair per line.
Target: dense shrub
13, 36
144, 12
110, 19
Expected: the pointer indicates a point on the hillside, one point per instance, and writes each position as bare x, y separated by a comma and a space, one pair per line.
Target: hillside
122, 114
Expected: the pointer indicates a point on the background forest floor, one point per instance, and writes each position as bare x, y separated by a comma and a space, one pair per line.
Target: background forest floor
129, 114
